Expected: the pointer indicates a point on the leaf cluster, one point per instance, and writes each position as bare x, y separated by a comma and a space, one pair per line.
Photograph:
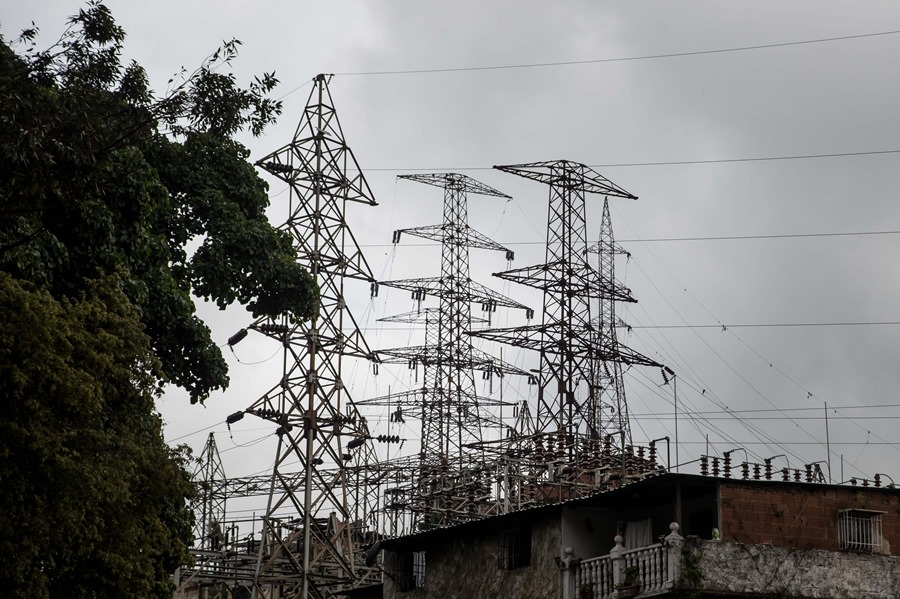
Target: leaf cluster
98, 177
94, 503
117, 209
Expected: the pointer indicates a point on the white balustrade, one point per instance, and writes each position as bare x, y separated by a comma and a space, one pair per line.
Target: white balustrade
596, 572
657, 567
652, 563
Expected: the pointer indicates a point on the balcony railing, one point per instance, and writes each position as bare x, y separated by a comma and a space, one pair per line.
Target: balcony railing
651, 569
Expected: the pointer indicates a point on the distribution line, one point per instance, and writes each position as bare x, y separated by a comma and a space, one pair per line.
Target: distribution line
695, 238
533, 65
725, 327
714, 352
764, 410
720, 326
665, 162
760, 356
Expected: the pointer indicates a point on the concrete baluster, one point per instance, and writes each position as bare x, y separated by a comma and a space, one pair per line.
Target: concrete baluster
568, 566
674, 543
617, 560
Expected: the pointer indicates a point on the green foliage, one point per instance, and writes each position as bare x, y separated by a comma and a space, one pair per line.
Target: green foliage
93, 500
103, 190
690, 579
631, 576
96, 178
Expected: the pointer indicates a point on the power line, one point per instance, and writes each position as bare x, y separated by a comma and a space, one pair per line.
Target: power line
694, 238
894, 444
714, 326
707, 418
532, 65
762, 410
725, 327
773, 236
661, 162
746, 159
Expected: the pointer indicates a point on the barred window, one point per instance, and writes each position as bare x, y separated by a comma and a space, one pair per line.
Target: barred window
408, 570
515, 548
860, 530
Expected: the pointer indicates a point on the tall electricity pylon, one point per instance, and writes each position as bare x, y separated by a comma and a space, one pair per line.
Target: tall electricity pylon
314, 526
608, 410
212, 493
567, 338
453, 415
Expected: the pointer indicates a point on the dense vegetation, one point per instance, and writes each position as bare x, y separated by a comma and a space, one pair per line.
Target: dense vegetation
103, 188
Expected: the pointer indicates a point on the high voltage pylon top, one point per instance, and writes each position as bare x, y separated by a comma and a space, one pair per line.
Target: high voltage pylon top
572, 347
454, 416
314, 525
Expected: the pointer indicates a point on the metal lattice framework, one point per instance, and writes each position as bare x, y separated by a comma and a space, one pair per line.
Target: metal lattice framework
314, 528
212, 494
571, 347
453, 415
608, 413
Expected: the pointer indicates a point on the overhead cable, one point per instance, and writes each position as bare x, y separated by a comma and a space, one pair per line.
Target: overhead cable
560, 63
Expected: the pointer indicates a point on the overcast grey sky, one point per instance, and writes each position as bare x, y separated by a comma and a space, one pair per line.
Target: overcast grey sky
821, 98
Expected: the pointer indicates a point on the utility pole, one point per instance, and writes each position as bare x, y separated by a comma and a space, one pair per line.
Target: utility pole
828, 443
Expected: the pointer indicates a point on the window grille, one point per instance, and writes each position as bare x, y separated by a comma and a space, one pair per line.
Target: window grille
409, 570
860, 530
515, 548
418, 566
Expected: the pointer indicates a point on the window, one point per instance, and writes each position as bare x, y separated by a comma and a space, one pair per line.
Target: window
408, 570
860, 530
515, 548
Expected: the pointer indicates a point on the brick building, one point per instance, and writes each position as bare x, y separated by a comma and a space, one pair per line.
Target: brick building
666, 535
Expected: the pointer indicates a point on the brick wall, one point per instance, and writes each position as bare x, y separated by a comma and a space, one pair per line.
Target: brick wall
803, 516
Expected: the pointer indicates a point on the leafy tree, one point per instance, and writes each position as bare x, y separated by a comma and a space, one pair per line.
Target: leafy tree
92, 501
96, 177
103, 191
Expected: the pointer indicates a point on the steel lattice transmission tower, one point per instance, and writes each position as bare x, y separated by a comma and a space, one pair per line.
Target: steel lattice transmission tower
209, 503
314, 526
453, 415
608, 410
567, 338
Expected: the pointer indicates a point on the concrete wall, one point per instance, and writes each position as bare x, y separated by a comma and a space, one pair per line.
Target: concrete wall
769, 571
800, 515
589, 531
469, 569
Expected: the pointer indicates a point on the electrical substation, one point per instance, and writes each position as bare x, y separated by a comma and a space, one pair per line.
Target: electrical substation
338, 485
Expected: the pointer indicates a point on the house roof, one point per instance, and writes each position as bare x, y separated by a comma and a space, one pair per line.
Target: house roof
622, 497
